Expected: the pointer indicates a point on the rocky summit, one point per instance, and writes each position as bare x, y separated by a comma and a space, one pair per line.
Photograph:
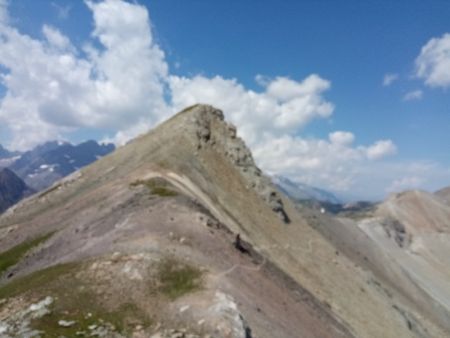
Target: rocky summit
180, 234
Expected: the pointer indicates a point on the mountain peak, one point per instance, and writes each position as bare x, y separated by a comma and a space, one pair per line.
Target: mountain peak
418, 210
211, 131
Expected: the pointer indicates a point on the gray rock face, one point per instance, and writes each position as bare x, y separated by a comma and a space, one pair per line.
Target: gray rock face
213, 131
12, 189
396, 230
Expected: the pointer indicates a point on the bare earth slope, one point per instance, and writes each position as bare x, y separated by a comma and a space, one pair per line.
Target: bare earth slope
404, 242
148, 233
444, 194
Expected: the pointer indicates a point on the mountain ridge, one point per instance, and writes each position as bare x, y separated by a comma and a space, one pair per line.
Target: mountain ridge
204, 191
302, 191
48, 162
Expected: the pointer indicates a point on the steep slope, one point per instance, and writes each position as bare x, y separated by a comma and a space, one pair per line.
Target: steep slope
419, 211
183, 192
444, 194
47, 163
405, 243
12, 189
420, 224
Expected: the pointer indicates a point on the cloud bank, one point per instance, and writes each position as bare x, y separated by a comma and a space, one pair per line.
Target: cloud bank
120, 80
433, 62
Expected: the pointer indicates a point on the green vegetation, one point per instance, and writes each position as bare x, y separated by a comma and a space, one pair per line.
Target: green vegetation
177, 279
73, 301
36, 281
157, 186
15, 254
85, 312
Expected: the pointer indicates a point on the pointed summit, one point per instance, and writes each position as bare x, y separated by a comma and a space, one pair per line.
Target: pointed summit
213, 133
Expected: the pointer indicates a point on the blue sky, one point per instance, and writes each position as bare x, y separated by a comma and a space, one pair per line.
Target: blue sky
351, 46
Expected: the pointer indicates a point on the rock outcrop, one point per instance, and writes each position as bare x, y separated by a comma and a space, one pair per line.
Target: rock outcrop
213, 131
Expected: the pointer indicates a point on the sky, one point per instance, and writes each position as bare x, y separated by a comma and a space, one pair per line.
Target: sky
350, 96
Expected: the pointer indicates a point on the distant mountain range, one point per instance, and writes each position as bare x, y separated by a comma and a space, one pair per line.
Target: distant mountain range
12, 189
303, 192
5, 153
40, 167
49, 162
7, 157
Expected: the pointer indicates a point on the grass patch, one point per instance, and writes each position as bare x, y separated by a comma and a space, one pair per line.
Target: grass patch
86, 312
157, 186
15, 254
177, 279
74, 300
38, 280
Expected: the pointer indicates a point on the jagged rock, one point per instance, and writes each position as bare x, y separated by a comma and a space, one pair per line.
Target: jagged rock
213, 131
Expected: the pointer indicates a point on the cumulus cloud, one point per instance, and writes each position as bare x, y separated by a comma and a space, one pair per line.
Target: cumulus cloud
389, 79
341, 138
381, 149
272, 111
54, 90
433, 62
120, 81
413, 95
57, 40
271, 123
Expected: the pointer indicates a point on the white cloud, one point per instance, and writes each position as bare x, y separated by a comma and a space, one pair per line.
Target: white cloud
416, 175
410, 182
381, 149
57, 40
52, 90
341, 138
389, 79
413, 95
123, 86
257, 114
433, 63
277, 146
